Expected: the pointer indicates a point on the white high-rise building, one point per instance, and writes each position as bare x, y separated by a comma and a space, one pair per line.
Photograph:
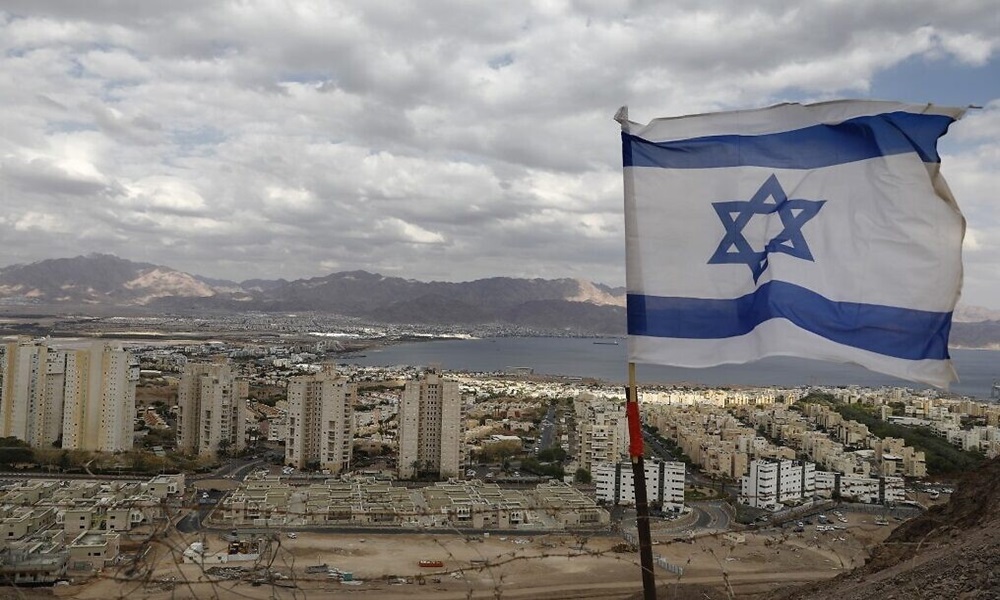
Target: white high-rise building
99, 399
55, 391
664, 483
84, 399
320, 421
23, 402
212, 409
430, 427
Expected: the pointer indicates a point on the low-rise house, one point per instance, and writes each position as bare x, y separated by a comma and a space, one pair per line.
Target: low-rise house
91, 551
37, 561
165, 486
21, 521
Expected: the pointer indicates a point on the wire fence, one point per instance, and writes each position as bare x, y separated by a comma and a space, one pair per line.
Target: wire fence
157, 560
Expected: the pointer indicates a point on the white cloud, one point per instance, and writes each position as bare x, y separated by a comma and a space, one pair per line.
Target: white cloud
40, 223
432, 139
170, 195
115, 66
408, 232
968, 47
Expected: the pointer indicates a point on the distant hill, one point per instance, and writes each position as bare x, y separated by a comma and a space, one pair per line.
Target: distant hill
985, 334
100, 279
975, 314
99, 282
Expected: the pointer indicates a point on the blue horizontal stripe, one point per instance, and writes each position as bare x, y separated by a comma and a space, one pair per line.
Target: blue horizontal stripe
899, 332
812, 147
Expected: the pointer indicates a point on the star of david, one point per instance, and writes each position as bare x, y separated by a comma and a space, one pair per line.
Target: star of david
736, 214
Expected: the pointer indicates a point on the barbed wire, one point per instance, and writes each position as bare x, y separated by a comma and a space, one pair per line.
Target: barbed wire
147, 568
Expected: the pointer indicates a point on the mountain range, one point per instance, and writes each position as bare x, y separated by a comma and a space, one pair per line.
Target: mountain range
99, 282
104, 281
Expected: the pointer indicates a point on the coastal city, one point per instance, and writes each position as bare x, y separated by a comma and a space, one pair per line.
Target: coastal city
239, 452
555, 299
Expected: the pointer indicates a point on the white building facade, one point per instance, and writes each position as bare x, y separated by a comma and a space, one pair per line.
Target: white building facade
22, 403
212, 409
320, 422
81, 399
855, 488
664, 483
99, 400
430, 427
772, 483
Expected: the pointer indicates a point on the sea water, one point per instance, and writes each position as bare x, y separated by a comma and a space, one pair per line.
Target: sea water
605, 360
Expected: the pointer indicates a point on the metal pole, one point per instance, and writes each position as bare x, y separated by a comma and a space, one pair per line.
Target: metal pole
635, 451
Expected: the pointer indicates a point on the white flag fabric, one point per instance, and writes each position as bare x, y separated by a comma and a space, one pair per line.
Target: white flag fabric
823, 231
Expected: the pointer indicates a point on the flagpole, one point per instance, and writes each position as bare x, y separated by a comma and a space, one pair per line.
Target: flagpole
635, 450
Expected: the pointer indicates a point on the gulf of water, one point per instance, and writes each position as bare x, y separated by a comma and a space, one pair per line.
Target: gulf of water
581, 357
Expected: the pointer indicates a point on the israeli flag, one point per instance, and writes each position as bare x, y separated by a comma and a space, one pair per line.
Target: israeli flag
823, 231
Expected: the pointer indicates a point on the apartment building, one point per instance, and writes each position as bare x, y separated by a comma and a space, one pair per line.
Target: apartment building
99, 399
664, 483
771, 484
893, 457
430, 427
601, 431
320, 421
855, 488
212, 409
82, 399
23, 401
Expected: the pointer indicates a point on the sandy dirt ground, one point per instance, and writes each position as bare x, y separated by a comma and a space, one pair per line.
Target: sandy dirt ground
513, 567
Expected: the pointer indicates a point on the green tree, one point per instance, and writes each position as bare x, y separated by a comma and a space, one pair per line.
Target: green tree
14, 450
223, 448
500, 451
942, 457
554, 454
531, 465
582, 476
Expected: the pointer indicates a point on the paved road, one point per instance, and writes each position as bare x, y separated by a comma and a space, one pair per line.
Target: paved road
16, 476
548, 430
711, 516
234, 468
657, 448
190, 523
237, 470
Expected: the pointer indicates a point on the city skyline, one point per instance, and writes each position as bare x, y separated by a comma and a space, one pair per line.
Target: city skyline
428, 141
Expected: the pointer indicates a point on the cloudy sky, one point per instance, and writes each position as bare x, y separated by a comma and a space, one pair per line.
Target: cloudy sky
431, 139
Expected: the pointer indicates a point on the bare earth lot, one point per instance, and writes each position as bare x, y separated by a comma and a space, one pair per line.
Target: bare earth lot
552, 566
